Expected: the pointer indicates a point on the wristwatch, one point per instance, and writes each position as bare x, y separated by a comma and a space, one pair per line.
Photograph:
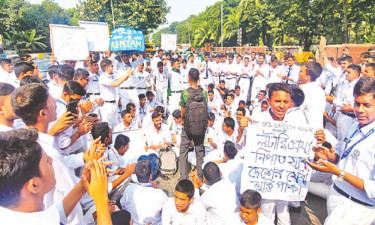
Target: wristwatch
340, 177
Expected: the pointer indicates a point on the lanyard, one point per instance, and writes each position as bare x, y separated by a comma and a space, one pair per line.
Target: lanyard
61, 101
347, 151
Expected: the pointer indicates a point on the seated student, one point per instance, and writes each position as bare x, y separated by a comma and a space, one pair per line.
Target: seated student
127, 122
242, 104
151, 101
116, 155
219, 206
213, 104
228, 107
211, 150
137, 123
143, 108
238, 95
147, 121
229, 133
30, 175
217, 95
231, 165
255, 104
94, 119
250, 211
143, 201
264, 106
183, 209
176, 128
159, 136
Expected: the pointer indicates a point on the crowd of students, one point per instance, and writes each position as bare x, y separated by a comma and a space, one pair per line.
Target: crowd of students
75, 145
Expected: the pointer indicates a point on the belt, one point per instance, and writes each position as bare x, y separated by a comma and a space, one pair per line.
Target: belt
231, 77
352, 115
176, 91
141, 88
114, 101
127, 88
94, 93
343, 193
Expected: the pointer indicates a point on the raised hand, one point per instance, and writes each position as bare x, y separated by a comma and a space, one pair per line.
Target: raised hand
62, 123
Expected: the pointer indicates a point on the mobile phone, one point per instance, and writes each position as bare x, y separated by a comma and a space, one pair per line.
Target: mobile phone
72, 106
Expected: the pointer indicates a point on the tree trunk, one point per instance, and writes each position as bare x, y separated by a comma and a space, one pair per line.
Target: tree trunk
307, 44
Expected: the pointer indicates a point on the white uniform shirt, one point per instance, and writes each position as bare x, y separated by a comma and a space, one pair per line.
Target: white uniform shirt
93, 87
314, 104
236, 219
161, 79
219, 205
142, 79
155, 138
231, 171
205, 66
214, 105
107, 93
195, 215
190, 65
359, 162
265, 70
216, 68
293, 73
117, 159
344, 93
54, 89
275, 72
144, 203
121, 127
176, 81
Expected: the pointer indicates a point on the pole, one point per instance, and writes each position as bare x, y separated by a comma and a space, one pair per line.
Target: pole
189, 31
222, 38
113, 16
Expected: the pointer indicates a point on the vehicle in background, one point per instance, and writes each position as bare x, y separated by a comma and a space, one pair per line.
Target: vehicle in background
150, 47
43, 65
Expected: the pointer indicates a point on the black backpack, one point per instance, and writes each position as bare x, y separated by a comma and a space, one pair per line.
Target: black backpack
196, 113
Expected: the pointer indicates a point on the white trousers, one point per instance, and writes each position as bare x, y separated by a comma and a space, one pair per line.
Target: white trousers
271, 207
231, 83
109, 114
344, 211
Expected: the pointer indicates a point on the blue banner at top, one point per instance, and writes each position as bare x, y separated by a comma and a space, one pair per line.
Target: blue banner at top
124, 39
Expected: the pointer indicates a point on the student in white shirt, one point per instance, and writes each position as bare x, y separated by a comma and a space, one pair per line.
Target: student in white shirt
142, 108
245, 76
192, 63
108, 84
159, 136
7, 115
161, 77
216, 68
219, 206
185, 73
127, 122
292, 72
295, 112
213, 104
315, 101
6, 69
59, 75
176, 86
250, 211
142, 79
176, 130
228, 108
93, 89
261, 75
205, 71
151, 101
183, 209
351, 199
276, 72
144, 202
22, 69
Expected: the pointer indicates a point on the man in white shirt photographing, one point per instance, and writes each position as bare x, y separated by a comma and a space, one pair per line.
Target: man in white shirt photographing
352, 197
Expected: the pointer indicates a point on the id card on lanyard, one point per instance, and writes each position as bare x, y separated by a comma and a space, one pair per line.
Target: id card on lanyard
347, 141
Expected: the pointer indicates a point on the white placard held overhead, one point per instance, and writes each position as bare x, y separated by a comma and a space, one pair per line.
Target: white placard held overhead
97, 35
169, 42
68, 42
274, 161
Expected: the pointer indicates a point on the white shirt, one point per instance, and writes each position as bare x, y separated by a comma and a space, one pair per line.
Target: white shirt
161, 79
293, 73
214, 105
51, 216
54, 89
116, 158
274, 74
144, 203
142, 79
236, 219
265, 70
107, 93
359, 162
93, 86
219, 205
344, 93
176, 81
195, 215
314, 104
231, 171
246, 71
216, 68
190, 65
204, 70
210, 133
155, 138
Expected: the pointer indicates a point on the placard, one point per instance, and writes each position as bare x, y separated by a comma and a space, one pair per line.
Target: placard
274, 162
97, 35
136, 145
124, 39
169, 42
68, 42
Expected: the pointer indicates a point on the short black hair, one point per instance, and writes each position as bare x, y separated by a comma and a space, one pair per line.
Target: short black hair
262, 54
241, 109
6, 89
155, 115
104, 64
314, 69
290, 57
30, 79
365, 85
241, 102
74, 88
130, 105
160, 64
143, 171
20, 158
121, 217
230, 149
22, 67
141, 96
159, 109
264, 92
211, 85
52, 70
121, 140
212, 173
81, 73
28, 100
251, 199
184, 60
372, 65
177, 114
210, 91
4, 62
278, 87
93, 115
211, 116
356, 68
185, 186
100, 130
124, 112
237, 87
149, 93
349, 59
274, 59
229, 122
206, 54
297, 96
194, 74
65, 72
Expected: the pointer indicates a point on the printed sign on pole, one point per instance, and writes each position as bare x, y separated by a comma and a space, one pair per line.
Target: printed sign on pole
97, 35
